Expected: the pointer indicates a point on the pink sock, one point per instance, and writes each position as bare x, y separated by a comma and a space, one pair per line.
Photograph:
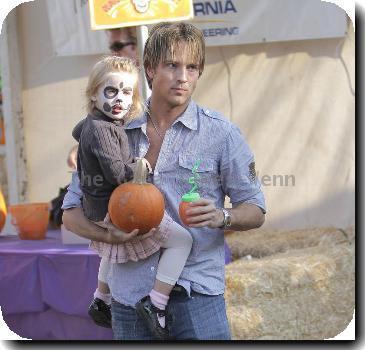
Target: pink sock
105, 297
160, 301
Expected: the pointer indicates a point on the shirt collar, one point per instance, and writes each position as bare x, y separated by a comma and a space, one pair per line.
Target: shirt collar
188, 118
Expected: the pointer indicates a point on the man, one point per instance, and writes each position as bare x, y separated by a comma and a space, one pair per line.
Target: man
172, 134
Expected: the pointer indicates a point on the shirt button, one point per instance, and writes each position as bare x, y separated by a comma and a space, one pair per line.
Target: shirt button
156, 173
152, 268
207, 111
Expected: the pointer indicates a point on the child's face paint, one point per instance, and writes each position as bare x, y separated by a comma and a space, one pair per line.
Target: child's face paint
114, 97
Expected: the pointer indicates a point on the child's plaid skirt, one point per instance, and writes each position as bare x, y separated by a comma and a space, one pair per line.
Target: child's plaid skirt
134, 249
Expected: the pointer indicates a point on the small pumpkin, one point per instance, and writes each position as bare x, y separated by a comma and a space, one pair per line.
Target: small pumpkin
137, 204
3, 211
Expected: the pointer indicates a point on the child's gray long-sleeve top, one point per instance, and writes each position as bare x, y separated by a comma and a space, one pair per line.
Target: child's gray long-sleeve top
103, 161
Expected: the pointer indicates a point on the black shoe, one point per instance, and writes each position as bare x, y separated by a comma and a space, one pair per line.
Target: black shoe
148, 312
100, 313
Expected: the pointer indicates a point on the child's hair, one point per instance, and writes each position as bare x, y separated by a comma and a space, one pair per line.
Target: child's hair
111, 64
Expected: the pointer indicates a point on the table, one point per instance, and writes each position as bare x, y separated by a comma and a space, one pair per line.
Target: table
46, 288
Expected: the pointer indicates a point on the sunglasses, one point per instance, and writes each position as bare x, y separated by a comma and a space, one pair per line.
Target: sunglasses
118, 45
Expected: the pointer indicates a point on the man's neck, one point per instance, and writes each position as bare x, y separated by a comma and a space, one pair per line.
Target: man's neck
164, 114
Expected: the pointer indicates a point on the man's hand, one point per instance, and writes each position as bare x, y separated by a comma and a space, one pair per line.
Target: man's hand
204, 213
116, 236
244, 216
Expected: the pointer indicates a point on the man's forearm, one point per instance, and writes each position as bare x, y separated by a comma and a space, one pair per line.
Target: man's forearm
246, 216
75, 221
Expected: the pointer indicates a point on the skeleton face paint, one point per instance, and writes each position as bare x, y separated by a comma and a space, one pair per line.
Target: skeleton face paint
114, 97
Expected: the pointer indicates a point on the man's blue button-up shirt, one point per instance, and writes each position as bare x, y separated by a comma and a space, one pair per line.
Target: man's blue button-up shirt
227, 168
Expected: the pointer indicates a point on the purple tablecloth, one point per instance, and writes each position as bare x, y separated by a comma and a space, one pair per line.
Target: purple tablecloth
46, 288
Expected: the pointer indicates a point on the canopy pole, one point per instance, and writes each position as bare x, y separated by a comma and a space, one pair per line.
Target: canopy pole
142, 35
11, 73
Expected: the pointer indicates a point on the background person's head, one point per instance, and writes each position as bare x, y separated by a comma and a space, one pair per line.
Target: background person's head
113, 88
122, 42
164, 42
72, 158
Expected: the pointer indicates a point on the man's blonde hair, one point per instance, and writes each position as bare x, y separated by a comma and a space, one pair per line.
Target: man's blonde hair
164, 40
111, 64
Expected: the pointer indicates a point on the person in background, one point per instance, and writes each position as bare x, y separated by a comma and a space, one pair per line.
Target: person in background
123, 42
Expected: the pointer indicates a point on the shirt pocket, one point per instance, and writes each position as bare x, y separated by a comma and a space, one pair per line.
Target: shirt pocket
206, 175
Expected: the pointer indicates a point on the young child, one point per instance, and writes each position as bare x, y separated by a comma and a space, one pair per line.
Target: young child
104, 162
72, 158
56, 212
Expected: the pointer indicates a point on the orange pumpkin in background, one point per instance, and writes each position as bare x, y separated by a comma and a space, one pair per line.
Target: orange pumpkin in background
3, 211
30, 219
137, 204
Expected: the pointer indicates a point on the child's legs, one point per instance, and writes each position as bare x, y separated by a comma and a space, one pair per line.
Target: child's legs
103, 276
173, 258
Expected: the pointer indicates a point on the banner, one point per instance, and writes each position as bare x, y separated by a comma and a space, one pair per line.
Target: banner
223, 22
232, 22
105, 14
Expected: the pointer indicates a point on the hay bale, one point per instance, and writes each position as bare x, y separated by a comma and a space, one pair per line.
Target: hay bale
349, 233
301, 294
262, 242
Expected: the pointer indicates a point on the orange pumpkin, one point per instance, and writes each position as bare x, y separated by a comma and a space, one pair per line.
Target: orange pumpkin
137, 204
30, 219
3, 211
